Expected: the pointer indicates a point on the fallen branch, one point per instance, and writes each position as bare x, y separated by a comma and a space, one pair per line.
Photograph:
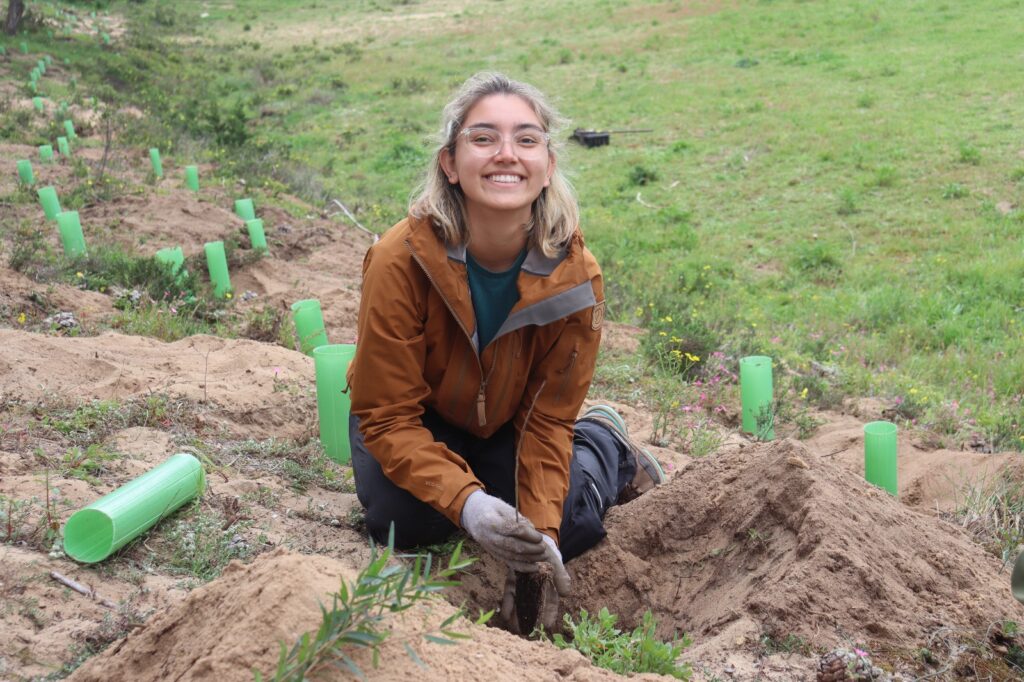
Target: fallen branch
82, 589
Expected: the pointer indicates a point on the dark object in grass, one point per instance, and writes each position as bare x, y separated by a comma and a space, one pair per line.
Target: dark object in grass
600, 138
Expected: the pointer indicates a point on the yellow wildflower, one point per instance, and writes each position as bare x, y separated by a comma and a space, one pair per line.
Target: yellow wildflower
79, 275
21, 318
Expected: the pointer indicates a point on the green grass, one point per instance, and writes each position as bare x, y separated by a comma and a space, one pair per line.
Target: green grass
821, 186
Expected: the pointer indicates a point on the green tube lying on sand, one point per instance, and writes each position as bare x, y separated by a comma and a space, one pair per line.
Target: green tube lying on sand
217, 264
48, 198
880, 455
756, 396
309, 325
71, 236
108, 524
332, 401
256, 234
244, 209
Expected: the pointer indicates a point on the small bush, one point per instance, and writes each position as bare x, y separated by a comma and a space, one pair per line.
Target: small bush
640, 176
847, 202
969, 154
885, 176
954, 190
639, 651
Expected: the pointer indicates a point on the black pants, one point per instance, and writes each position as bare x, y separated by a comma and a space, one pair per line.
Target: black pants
600, 469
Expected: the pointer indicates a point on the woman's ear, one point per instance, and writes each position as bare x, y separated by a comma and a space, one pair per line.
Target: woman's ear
552, 162
447, 164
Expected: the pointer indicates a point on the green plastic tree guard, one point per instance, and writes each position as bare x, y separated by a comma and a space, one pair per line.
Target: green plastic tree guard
48, 59
46, 153
24, 48
69, 128
25, 173
332, 401
108, 524
880, 455
756, 396
63, 147
32, 87
192, 178
41, 65
37, 102
48, 198
217, 264
256, 234
244, 209
154, 158
71, 236
174, 257
309, 325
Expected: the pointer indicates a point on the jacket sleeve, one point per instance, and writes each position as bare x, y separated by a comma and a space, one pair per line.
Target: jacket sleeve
555, 391
389, 389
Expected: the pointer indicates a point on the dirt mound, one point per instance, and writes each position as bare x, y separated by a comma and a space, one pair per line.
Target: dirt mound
782, 537
255, 390
19, 294
233, 625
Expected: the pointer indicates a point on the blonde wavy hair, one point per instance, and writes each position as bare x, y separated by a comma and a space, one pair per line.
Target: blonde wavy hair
555, 212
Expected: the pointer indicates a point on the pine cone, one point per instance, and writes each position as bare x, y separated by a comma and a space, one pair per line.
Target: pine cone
832, 667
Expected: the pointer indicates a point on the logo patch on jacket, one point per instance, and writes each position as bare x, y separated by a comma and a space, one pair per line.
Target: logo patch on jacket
597, 316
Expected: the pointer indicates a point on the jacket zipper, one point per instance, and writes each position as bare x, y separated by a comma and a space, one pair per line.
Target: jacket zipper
481, 398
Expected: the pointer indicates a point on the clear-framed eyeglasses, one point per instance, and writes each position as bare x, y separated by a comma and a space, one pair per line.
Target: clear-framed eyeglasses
527, 143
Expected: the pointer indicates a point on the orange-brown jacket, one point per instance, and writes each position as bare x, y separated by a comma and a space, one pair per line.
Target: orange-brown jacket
417, 347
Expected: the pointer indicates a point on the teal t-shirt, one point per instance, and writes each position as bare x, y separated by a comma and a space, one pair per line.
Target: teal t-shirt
493, 294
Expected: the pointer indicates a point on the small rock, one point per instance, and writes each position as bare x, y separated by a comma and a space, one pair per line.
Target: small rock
64, 320
249, 295
795, 461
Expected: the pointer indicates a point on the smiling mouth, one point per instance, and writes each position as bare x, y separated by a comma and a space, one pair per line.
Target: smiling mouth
504, 179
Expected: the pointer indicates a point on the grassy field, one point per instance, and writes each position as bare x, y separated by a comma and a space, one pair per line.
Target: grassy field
834, 184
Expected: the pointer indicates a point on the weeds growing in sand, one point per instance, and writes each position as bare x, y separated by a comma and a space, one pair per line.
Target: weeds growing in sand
639, 651
992, 511
358, 612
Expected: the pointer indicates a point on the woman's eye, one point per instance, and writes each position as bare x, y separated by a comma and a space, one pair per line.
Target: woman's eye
482, 139
527, 140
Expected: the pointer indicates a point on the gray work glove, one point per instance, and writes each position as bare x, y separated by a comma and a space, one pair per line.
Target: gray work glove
504, 533
555, 584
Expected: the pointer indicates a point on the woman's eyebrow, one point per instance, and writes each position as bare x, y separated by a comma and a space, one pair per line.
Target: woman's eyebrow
518, 126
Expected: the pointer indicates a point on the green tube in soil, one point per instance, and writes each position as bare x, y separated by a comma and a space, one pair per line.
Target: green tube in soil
244, 209
46, 152
33, 88
172, 256
309, 325
1017, 579
256, 234
37, 102
48, 59
63, 147
192, 178
41, 64
880, 455
25, 172
106, 38
756, 396
71, 236
69, 128
108, 524
3, 50
217, 264
154, 158
24, 48
332, 400
48, 198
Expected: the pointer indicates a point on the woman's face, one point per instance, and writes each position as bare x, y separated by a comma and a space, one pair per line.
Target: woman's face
511, 179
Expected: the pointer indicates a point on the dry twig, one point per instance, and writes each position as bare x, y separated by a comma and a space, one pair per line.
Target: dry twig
82, 589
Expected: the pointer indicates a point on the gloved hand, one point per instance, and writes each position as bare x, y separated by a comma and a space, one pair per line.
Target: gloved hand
502, 532
554, 585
